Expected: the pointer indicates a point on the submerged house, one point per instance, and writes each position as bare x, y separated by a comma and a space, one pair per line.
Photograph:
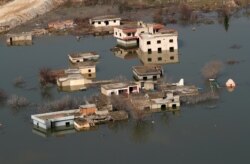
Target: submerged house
4, 28
120, 88
61, 118
170, 100
128, 35
125, 53
24, 38
83, 56
87, 69
163, 40
105, 21
145, 73
72, 80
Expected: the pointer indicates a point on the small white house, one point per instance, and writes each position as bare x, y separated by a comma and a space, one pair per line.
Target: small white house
169, 101
164, 40
150, 72
87, 69
105, 21
128, 35
72, 80
119, 89
83, 57
54, 119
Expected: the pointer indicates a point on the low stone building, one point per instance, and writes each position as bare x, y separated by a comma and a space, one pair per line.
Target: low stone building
119, 88
24, 38
150, 72
105, 21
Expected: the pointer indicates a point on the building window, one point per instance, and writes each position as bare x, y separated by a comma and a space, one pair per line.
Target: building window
171, 57
149, 59
158, 41
148, 42
99, 22
89, 70
114, 21
159, 50
129, 34
90, 75
115, 33
149, 51
145, 78
93, 22
133, 34
120, 34
171, 40
159, 58
67, 124
142, 32
171, 49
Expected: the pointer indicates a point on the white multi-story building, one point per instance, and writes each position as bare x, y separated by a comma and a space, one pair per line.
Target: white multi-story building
104, 21
128, 35
163, 40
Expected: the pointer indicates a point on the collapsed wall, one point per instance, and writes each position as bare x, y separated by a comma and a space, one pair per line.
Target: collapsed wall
18, 12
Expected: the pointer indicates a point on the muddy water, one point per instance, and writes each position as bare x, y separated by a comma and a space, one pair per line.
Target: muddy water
205, 133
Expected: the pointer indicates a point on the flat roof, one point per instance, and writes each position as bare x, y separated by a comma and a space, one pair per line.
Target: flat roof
118, 85
162, 33
82, 54
19, 34
145, 70
87, 64
105, 17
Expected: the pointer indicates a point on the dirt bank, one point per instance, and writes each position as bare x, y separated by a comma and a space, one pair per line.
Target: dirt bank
20, 11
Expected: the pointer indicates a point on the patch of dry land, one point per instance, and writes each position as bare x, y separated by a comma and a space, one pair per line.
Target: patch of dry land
18, 12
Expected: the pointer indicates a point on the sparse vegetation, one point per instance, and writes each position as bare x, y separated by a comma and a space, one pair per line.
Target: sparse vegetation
212, 69
47, 76
203, 97
15, 101
65, 103
185, 12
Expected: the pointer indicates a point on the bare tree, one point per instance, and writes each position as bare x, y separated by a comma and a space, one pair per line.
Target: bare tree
212, 69
17, 102
185, 12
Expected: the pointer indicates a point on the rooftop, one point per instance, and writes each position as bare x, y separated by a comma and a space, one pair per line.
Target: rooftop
106, 17
162, 33
118, 85
80, 65
19, 34
82, 54
152, 69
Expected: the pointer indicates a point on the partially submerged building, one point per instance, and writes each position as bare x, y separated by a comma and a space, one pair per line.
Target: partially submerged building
121, 88
163, 40
24, 38
147, 73
105, 21
87, 69
128, 35
73, 80
83, 57
4, 28
61, 118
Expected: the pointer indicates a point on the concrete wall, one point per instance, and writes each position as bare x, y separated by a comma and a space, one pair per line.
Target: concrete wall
88, 70
152, 42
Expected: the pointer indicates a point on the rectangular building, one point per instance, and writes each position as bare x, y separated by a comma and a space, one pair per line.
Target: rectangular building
164, 40
119, 88
145, 73
105, 21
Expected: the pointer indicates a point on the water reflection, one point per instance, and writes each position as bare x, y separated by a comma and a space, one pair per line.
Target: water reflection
142, 130
165, 57
125, 53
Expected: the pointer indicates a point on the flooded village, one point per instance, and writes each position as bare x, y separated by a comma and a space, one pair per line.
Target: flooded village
122, 79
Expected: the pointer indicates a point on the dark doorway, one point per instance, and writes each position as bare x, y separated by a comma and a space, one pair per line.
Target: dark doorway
67, 124
163, 107
174, 106
154, 77
11, 41
107, 23
52, 124
131, 89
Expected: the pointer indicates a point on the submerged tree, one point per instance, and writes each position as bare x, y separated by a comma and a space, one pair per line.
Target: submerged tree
212, 69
